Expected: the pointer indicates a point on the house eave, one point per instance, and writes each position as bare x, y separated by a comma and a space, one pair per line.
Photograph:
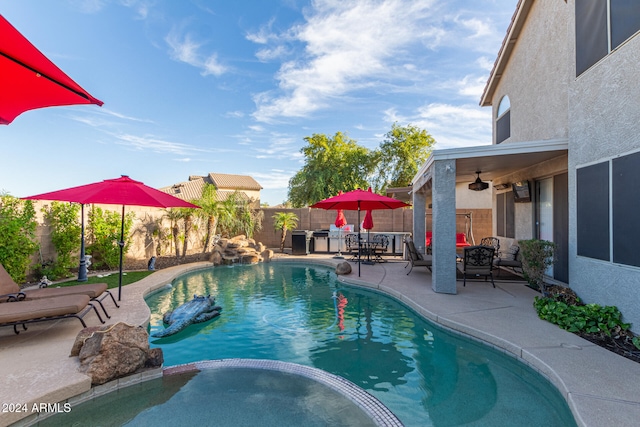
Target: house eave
508, 45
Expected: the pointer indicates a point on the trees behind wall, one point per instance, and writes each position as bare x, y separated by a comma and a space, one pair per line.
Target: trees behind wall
338, 163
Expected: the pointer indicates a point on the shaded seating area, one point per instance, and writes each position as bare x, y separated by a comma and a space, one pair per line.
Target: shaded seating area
40, 310
461, 240
512, 259
477, 261
494, 242
416, 259
351, 244
378, 246
10, 291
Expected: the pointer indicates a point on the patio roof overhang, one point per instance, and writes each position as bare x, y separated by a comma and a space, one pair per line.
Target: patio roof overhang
494, 161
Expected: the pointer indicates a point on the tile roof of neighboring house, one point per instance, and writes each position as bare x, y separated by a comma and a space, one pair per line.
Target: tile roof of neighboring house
236, 182
189, 190
192, 189
513, 32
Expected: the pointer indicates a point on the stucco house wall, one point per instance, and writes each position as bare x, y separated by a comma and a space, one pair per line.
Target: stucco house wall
536, 80
604, 122
539, 102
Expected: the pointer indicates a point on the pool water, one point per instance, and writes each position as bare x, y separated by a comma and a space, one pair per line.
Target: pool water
302, 314
238, 393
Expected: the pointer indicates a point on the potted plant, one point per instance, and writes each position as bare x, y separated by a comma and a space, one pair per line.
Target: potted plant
537, 257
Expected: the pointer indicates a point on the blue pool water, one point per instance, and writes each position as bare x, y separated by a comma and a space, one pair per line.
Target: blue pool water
301, 314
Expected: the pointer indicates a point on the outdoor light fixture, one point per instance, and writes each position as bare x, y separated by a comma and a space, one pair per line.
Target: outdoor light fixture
502, 186
478, 185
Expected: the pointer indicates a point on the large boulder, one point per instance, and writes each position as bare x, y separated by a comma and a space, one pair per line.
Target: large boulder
215, 258
249, 258
266, 255
114, 351
343, 268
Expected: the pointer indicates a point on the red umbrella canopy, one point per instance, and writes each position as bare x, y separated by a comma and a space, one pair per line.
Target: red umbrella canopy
341, 221
359, 199
119, 191
29, 80
367, 224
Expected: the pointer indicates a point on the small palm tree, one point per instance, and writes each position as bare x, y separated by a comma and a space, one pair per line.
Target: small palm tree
284, 221
209, 210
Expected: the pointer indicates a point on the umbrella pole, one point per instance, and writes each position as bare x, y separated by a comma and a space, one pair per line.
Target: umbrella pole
359, 242
339, 255
82, 270
121, 244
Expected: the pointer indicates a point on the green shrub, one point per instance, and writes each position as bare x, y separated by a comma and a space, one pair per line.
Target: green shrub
104, 235
537, 256
18, 230
66, 233
589, 318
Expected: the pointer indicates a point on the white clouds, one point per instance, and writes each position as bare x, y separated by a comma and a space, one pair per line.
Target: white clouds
347, 43
381, 46
455, 126
485, 63
273, 179
184, 49
472, 86
478, 28
154, 144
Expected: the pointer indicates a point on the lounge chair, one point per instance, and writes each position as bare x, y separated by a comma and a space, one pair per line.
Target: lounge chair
477, 261
40, 310
415, 258
512, 259
10, 291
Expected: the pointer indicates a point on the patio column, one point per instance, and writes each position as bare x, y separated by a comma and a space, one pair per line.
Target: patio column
419, 203
444, 226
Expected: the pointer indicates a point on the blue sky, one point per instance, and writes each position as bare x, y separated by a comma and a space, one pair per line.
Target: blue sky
191, 87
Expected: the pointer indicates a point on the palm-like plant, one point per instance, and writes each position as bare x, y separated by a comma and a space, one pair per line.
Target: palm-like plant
284, 221
174, 215
209, 210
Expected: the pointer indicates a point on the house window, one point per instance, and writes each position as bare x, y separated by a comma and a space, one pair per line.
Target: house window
505, 215
602, 26
607, 210
624, 200
503, 121
592, 188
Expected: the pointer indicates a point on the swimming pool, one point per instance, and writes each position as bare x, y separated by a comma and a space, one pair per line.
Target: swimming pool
233, 392
303, 314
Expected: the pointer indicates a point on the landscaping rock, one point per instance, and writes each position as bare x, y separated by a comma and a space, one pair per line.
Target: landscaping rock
114, 352
343, 268
267, 255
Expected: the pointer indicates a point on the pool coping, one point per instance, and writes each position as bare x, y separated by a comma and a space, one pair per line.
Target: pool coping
600, 387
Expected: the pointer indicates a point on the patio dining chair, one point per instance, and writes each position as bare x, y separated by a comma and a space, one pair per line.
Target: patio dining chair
380, 244
477, 261
494, 242
351, 244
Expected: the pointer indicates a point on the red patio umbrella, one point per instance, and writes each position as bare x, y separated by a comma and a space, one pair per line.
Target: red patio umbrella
29, 80
120, 191
357, 200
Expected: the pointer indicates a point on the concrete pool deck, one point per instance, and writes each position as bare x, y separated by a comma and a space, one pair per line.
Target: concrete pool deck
601, 388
